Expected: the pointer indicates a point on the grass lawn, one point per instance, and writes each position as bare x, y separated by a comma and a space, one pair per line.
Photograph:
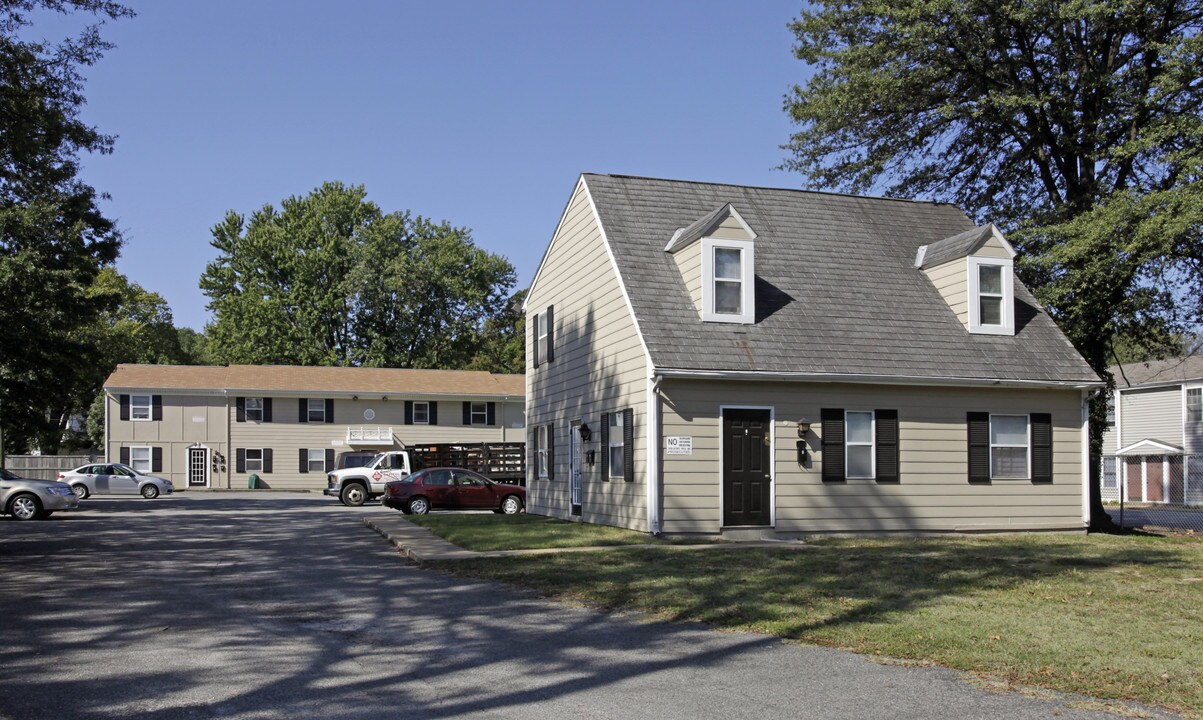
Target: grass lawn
1106, 616
523, 532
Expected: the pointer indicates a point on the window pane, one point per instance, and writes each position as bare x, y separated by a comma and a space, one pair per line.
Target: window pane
1194, 405
139, 407
990, 310
139, 459
317, 410
1009, 462
1009, 430
990, 279
616, 446
421, 412
1109, 479
860, 461
860, 427
616, 461
726, 263
727, 297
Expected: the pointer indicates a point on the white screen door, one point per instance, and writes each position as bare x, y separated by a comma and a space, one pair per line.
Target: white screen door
198, 467
574, 463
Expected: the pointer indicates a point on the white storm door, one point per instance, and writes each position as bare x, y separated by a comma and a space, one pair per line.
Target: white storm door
574, 462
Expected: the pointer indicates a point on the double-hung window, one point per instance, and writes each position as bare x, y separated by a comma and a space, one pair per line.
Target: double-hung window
317, 410
727, 281
140, 459
541, 451
421, 413
544, 336
140, 407
1194, 405
1010, 447
859, 444
254, 460
991, 296
317, 460
480, 413
615, 447
254, 409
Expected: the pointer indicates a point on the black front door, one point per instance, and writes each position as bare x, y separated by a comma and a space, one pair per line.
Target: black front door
746, 491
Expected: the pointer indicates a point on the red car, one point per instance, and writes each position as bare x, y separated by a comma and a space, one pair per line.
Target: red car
452, 489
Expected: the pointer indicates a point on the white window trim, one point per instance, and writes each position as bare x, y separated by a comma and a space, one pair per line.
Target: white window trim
541, 452
990, 429
747, 316
149, 405
872, 445
246, 409
150, 458
426, 411
246, 458
484, 413
541, 332
1186, 421
1008, 296
321, 458
612, 443
309, 409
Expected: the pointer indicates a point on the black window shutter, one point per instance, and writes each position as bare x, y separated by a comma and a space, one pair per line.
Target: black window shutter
551, 452
239, 409
329, 410
887, 445
329, 459
605, 446
125, 407
628, 445
534, 340
267, 460
434, 413
467, 413
978, 425
267, 410
303, 410
832, 420
409, 412
240, 460
156, 407
125, 456
491, 414
304, 461
156, 459
551, 333
1042, 447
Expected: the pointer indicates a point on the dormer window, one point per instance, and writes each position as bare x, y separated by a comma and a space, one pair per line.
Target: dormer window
727, 281
991, 296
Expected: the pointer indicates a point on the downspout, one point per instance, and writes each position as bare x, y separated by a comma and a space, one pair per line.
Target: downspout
1085, 437
654, 493
228, 464
107, 398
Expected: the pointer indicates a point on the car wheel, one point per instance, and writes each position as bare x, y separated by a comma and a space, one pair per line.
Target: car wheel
81, 491
150, 492
511, 505
25, 507
419, 506
353, 495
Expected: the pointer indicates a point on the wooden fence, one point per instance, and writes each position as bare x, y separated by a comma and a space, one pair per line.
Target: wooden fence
45, 467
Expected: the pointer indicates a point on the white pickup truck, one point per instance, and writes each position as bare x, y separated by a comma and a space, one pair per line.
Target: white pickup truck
356, 485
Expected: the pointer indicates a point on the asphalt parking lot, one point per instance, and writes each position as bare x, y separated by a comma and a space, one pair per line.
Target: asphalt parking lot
273, 605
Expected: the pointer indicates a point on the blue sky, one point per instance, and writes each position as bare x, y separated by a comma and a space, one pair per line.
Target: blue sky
479, 113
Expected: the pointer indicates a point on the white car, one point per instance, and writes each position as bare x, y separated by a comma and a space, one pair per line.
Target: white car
114, 479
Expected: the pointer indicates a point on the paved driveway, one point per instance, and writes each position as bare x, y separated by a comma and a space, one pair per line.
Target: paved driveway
285, 606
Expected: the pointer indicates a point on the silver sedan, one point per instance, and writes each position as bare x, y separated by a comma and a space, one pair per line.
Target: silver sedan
115, 479
28, 499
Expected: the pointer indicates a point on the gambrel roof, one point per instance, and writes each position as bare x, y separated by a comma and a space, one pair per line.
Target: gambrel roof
837, 291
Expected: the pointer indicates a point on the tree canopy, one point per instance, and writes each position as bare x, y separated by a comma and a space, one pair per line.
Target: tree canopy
330, 279
1075, 126
54, 238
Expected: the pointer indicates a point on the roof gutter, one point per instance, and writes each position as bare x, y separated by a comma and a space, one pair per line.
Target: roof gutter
864, 379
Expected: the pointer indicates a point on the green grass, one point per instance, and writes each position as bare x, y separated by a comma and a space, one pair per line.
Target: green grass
1106, 616
523, 532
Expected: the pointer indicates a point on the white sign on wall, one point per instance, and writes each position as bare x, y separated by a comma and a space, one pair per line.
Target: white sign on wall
678, 445
198, 418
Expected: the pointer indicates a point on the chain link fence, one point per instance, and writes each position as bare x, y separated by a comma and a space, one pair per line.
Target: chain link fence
1159, 493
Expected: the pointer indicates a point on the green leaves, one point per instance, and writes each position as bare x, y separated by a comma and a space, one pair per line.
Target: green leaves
329, 279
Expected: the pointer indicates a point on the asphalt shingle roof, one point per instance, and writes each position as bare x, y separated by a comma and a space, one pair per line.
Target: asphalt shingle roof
836, 288
1159, 372
956, 247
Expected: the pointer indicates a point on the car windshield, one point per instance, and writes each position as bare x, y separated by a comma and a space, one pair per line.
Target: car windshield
376, 459
7, 475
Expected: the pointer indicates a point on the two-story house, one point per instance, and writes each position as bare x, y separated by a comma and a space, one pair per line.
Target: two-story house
746, 361
1153, 447
215, 426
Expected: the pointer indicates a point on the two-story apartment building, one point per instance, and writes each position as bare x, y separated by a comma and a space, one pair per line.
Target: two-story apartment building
1153, 447
743, 361
215, 426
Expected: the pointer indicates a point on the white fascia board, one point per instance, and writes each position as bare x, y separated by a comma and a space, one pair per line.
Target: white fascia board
1149, 446
916, 380
163, 390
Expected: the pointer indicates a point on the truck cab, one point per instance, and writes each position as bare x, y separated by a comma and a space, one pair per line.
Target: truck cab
354, 486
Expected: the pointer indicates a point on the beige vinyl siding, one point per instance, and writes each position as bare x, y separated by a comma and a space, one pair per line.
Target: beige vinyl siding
934, 493
1152, 414
187, 420
731, 229
689, 262
992, 248
951, 279
599, 366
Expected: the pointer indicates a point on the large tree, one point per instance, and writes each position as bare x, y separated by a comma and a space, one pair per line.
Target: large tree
54, 238
330, 279
1073, 125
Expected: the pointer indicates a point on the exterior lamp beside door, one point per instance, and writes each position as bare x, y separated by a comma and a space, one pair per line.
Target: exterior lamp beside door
586, 436
803, 428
